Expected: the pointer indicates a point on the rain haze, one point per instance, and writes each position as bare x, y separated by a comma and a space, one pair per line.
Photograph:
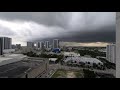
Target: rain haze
73, 28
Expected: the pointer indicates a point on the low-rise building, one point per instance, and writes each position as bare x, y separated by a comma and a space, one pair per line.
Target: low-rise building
52, 60
6, 51
79, 60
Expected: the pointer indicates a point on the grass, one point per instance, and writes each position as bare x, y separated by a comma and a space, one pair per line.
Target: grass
60, 73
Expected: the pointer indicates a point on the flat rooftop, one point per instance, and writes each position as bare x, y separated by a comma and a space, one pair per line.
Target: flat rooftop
17, 69
3, 59
10, 58
83, 59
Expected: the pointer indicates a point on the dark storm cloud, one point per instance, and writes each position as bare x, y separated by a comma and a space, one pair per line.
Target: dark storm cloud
47, 18
67, 26
102, 35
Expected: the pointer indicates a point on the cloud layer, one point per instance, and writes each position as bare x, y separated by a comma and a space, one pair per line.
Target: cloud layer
67, 26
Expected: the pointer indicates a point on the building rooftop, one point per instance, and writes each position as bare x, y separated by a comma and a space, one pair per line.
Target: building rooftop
83, 59
52, 59
3, 59
10, 58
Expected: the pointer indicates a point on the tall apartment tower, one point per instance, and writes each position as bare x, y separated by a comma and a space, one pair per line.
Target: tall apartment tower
55, 43
111, 53
37, 44
30, 44
1, 46
41, 45
7, 43
47, 44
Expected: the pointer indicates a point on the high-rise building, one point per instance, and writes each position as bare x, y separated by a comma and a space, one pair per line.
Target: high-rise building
1, 46
37, 44
55, 43
7, 42
111, 53
47, 44
41, 45
30, 44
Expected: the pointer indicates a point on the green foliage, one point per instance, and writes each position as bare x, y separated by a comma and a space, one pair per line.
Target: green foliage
89, 74
43, 55
107, 63
30, 54
64, 73
59, 72
93, 53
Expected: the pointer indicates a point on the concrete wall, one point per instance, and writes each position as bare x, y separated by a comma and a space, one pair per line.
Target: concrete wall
118, 45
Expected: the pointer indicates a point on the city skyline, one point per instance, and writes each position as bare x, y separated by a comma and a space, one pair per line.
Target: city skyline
78, 28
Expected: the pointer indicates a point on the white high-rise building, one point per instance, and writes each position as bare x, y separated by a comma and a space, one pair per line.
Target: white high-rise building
111, 53
47, 44
55, 43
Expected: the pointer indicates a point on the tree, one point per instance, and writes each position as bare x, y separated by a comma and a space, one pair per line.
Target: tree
94, 65
88, 62
30, 54
75, 62
89, 74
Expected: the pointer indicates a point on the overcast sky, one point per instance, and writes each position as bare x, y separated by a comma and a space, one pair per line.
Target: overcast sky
82, 27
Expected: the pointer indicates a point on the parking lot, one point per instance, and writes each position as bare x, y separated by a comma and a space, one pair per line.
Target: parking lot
17, 69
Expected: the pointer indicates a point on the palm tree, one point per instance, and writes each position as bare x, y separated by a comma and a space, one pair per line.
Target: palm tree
99, 63
88, 62
94, 65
